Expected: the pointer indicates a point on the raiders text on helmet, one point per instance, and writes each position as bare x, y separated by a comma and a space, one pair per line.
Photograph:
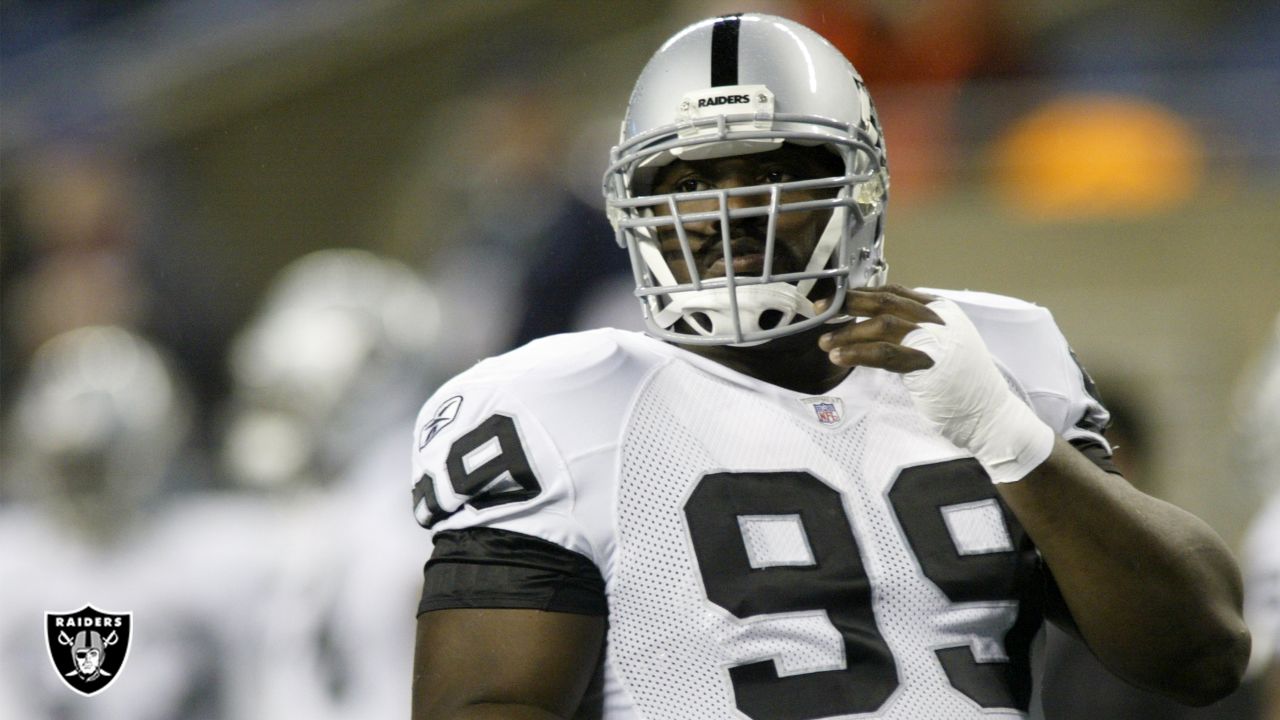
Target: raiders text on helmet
723, 100
738, 85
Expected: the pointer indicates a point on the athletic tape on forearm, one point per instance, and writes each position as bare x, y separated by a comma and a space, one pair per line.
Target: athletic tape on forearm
968, 400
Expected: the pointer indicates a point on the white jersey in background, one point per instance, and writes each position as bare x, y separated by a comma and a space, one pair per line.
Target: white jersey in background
192, 576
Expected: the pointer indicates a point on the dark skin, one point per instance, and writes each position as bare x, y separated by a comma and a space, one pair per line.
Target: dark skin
1152, 590
463, 665
1271, 692
791, 361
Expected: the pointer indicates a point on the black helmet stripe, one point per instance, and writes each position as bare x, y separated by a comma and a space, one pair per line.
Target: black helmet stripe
724, 50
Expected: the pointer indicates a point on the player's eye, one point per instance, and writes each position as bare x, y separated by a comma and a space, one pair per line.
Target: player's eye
777, 175
690, 184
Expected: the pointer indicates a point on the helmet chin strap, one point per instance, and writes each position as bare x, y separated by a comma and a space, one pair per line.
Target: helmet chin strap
698, 307
822, 251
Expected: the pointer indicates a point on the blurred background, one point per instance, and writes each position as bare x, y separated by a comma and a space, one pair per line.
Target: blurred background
241, 242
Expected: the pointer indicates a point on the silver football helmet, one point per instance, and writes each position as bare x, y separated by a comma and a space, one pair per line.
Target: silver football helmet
736, 85
341, 347
101, 421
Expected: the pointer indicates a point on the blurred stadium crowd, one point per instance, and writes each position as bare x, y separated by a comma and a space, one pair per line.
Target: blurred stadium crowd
210, 363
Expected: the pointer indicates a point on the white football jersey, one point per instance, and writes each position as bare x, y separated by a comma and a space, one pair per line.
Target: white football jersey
191, 585
766, 553
1261, 561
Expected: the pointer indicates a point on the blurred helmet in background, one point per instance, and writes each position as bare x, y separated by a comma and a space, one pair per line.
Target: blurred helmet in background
737, 85
1257, 417
99, 422
342, 347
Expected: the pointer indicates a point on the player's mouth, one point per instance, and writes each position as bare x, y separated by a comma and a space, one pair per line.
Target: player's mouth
749, 264
748, 259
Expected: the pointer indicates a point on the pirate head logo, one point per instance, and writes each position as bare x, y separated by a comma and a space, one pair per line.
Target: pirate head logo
88, 647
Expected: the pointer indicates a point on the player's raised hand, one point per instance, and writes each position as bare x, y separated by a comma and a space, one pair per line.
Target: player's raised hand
889, 313
949, 373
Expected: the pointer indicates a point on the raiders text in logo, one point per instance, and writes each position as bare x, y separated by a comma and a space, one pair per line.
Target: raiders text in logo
88, 647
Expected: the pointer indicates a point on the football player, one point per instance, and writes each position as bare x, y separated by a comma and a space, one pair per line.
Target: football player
802, 493
99, 438
1260, 451
342, 348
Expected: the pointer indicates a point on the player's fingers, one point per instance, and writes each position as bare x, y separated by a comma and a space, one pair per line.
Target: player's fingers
888, 300
892, 300
881, 328
884, 355
906, 292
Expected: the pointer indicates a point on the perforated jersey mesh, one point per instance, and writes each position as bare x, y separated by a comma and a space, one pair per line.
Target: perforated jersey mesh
773, 540
673, 647
977, 528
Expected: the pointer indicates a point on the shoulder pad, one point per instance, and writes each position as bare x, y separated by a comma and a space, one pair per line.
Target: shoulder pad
1026, 341
495, 446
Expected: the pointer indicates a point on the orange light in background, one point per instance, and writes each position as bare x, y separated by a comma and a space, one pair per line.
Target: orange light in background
1097, 156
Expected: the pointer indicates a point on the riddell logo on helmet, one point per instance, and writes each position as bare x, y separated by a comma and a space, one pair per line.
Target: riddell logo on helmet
723, 100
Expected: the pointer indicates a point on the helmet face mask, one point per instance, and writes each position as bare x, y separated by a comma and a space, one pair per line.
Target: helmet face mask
799, 91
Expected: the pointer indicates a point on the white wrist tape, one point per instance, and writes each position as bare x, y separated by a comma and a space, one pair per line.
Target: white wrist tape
967, 398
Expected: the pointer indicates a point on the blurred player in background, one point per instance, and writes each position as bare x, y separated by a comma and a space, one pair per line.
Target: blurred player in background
327, 374
98, 454
1259, 431
803, 493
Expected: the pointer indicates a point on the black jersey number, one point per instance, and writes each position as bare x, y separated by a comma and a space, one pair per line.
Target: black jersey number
504, 476
832, 579
918, 496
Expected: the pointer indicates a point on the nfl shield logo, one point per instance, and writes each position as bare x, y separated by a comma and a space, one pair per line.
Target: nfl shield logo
88, 647
827, 413
828, 410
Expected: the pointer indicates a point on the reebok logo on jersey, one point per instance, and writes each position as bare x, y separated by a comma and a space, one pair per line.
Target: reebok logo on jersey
723, 100
445, 414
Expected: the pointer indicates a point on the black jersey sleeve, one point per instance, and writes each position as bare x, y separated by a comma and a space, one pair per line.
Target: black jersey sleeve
1097, 453
490, 568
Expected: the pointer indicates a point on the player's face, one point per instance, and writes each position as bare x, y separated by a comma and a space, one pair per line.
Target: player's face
797, 233
87, 661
